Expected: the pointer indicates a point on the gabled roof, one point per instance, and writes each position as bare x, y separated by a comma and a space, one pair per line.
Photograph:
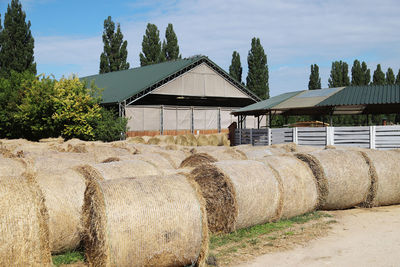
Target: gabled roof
130, 85
364, 95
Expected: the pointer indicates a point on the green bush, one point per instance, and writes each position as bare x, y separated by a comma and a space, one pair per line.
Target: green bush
110, 127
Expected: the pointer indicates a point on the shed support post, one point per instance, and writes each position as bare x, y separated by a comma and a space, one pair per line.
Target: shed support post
295, 135
330, 136
162, 120
192, 120
372, 136
270, 120
251, 136
269, 136
219, 120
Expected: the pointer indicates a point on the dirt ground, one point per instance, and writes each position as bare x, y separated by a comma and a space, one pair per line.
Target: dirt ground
361, 237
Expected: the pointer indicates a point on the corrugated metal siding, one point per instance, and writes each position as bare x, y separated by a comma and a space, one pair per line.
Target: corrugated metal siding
364, 95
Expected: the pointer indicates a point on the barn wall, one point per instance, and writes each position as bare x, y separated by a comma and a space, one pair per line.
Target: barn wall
172, 120
200, 81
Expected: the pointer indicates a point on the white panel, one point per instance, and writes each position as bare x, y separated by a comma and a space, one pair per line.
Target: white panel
251, 122
174, 87
203, 69
232, 91
199, 118
226, 118
151, 119
215, 85
169, 119
184, 119
135, 118
211, 119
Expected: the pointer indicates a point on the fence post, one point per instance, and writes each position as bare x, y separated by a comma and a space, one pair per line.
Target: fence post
240, 136
162, 120
251, 136
295, 135
372, 135
269, 133
330, 136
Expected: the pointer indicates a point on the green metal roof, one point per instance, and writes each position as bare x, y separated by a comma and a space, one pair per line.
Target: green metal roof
364, 95
268, 103
128, 84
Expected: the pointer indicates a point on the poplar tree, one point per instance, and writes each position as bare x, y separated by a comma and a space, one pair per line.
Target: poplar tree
379, 76
339, 75
315, 80
114, 53
257, 77
398, 78
360, 74
235, 69
17, 43
170, 47
151, 46
390, 78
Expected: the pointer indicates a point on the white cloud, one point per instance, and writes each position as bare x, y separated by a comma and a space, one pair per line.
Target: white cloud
295, 34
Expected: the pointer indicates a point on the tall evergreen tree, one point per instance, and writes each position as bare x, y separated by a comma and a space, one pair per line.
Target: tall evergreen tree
17, 42
315, 80
398, 78
235, 69
151, 46
170, 47
257, 76
114, 53
360, 74
339, 74
390, 78
379, 76
366, 72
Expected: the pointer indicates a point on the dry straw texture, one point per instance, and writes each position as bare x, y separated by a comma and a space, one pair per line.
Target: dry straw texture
222, 153
136, 140
299, 188
153, 141
24, 233
192, 140
197, 159
162, 164
12, 166
182, 140
348, 177
202, 140
144, 222
63, 191
387, 176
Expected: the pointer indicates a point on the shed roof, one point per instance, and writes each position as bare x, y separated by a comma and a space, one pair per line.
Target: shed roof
129, 85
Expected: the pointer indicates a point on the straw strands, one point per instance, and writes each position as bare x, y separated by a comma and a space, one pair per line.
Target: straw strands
197, 159
166, 224
24, 233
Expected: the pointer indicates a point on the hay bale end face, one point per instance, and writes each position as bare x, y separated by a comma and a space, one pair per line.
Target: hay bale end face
24, 233
174, 233
197, 159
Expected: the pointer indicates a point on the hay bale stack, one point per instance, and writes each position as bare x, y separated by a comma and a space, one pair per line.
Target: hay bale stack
222, 153
166, 139
385, 171
157, 221
12, 167
213, 140
101, 152
202, 140
238, 194
162, 164
297, 183
153, 141
175, 157
192, 140
24, 233
136, 140
197, 160
117, 170
63, 191
344, 175
181, 140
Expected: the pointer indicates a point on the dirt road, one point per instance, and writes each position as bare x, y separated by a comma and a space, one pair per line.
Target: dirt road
361, 237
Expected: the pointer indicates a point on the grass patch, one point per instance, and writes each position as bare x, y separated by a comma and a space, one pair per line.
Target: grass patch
251, 233
68, 258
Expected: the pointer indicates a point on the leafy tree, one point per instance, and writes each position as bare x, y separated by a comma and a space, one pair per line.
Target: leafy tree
315, 80
170, 47
17, 42
398, 78
114, 53
110, 126
257, 77
235, 69
390, 78
339, 74
151, 47
11, 94
360, 74
379, 76
75, 108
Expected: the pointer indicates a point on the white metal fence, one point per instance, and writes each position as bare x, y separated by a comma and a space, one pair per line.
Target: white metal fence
375, 137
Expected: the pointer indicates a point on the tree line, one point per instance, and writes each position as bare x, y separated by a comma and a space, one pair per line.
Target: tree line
35, 107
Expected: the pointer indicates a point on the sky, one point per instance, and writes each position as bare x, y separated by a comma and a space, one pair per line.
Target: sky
294, 33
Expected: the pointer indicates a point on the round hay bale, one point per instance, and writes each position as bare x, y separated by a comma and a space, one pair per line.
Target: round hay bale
12, 167
153, 141
175, 157
213, 140
225, 140
238, 194
346, 173
166, 139
58, 140
136, 140
101, 152
299, 189
287, 147
122, 232
160, 162
181, 140
222, 153
117, 170
196, 160
385, 171
192, 140
202, 140
111, 159
24, 232
63, 191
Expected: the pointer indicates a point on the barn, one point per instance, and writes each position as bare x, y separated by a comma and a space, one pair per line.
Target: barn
191, 95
